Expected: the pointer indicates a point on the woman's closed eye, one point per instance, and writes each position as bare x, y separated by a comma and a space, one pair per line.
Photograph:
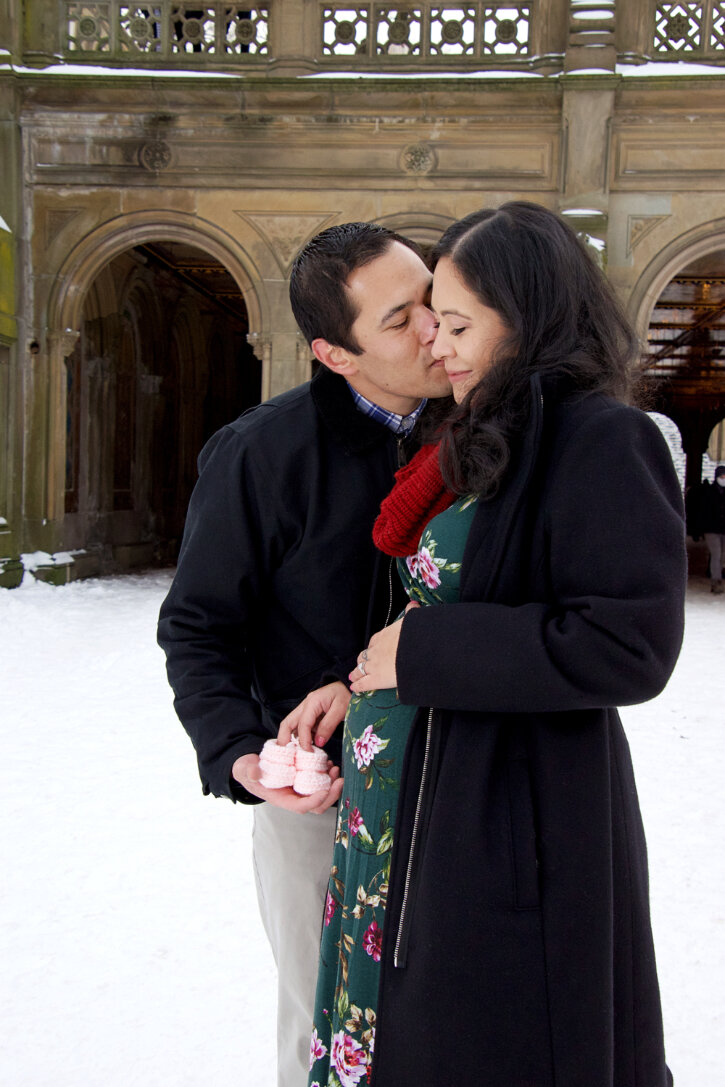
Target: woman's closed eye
457, 331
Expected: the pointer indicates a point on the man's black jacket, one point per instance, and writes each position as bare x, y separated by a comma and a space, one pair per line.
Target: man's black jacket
272, 596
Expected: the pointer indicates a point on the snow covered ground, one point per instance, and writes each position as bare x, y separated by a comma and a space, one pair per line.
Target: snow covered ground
131, 948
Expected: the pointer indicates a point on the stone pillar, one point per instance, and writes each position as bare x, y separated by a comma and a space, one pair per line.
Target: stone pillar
591, 36
61, 344
261, 345
148, 410
587, 110
633, 31
10, 26
101, 398
11, 571
294, 37
42, 39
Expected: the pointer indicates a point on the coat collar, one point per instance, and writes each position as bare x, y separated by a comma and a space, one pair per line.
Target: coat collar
496, 518
336, 408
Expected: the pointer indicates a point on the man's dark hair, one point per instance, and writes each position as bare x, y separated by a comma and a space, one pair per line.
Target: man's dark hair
564, 323
320, 301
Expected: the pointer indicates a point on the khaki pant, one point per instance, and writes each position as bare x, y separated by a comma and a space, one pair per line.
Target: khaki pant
292, 858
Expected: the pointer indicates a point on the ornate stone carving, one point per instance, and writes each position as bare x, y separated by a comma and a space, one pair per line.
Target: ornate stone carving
452, 31
286, 232
418, 158
87, 27
261, 345
245, 31
65, 341
345, 31
155, 155
678, 27
639, 226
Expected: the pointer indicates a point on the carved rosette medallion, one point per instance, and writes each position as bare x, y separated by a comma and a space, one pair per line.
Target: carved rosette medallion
398, 32
140, 29
155, 155
452, 31
418, 158
193, 30
678, 27
87, 27
345, 32
506, 31
245, 31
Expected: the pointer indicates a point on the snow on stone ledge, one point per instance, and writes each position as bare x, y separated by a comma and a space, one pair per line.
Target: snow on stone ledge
33, 560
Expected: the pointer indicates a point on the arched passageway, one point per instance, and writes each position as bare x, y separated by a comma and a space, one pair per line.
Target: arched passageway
685, 358
162, 362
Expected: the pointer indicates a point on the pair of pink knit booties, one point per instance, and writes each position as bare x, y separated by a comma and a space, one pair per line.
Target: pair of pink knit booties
305, 771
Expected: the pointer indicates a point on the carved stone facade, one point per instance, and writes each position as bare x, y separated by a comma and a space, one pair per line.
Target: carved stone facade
240, 132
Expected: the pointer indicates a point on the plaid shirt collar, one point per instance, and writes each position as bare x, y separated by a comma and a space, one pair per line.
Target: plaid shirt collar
399, 424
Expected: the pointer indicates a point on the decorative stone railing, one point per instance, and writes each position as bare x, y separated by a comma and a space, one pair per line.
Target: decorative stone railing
432, 32
348, 36
689, 30
421, 35
225, 33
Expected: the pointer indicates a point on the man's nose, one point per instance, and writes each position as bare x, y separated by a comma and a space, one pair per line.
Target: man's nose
427, 326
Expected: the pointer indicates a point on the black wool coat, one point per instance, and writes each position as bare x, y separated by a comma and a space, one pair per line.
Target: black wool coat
517, 943
272, 595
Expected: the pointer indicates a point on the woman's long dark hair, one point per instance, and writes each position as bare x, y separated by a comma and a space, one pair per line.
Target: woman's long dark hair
565, 324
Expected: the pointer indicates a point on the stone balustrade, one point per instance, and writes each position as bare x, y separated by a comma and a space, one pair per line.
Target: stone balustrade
289, 36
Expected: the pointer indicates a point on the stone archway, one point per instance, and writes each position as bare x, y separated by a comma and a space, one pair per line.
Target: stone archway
679, 309
160, 360
424, 228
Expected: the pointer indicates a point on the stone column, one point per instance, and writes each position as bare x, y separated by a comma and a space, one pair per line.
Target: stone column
42, 38
294, 37
44, 425
61, 344
101, 399
591, 36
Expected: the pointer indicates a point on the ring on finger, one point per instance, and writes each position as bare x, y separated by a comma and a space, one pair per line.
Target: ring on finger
361, 666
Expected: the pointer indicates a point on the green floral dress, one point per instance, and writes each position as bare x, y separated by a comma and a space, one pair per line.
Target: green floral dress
375, 735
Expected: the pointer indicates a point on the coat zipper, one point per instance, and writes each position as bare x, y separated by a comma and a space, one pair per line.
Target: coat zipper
390, 592
416, 824
414, 839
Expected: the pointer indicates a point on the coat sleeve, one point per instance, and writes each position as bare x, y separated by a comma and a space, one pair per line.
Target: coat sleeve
208, 617
610, 629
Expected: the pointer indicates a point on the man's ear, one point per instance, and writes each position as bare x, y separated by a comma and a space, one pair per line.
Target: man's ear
334, 357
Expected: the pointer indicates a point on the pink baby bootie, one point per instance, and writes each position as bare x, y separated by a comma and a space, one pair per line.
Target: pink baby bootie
312, 776
277, 764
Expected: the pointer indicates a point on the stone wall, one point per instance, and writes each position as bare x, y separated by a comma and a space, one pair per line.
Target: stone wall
248, 165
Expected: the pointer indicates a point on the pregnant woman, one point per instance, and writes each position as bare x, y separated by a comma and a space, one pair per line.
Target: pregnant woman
487, 920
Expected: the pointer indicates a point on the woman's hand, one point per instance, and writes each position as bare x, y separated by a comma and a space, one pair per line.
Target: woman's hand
378, 660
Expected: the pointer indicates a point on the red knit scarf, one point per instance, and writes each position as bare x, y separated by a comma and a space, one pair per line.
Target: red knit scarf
418, 495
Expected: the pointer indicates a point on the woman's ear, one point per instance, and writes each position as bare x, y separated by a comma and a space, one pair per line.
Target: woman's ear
334, 357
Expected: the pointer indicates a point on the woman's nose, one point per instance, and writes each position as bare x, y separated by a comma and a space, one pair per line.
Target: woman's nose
438, 350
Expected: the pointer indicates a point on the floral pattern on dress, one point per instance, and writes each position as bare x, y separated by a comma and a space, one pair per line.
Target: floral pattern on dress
374, 740
424, 568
